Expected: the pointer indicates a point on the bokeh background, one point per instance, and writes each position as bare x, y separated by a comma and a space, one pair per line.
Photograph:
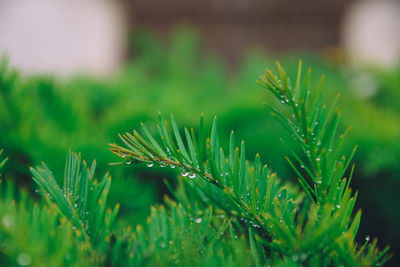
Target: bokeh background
75, 73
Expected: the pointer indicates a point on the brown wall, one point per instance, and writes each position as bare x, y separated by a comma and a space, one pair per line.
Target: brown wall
230, 26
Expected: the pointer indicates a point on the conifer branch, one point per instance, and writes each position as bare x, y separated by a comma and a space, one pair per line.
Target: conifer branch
316, 129
251, 189
82, 198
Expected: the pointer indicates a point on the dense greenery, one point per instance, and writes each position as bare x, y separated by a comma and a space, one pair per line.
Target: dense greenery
282, 227
41, 117
227, 207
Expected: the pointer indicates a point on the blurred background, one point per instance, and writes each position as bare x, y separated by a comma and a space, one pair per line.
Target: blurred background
74, 74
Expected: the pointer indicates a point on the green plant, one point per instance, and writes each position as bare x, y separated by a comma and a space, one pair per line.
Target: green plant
317, 231
162, 78
82, 199
167, 239
34, 234
225, 210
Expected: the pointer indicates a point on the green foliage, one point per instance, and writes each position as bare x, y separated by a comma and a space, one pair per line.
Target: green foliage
85, 113
239, 188
35, 235
175, 237
316, 130
78, 209
41, 117
82, 199
322, 232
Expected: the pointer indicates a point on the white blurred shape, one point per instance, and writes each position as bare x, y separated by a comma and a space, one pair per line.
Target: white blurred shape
62, 36
364, 85
371, 31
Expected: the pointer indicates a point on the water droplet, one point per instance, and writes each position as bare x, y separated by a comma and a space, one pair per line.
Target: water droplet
198, 220
163, 245
318, 159
128, 162
150, 165
303, 256
172, 166
124, 155
318, 181
193, 175
75, 205
283, 102
295, 257
7, 220
367, 238
185, 173
302, 166
162, 166
24, 259
338, 206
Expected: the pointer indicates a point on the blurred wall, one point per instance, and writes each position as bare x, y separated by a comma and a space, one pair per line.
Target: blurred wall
71, 36
371, 32
229, 27
63, 36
